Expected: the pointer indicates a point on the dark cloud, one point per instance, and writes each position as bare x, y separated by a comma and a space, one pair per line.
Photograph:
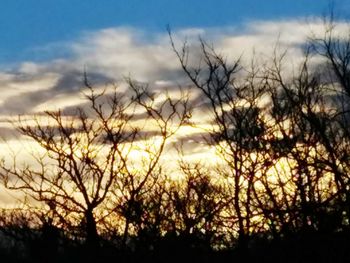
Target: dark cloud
70, 83
73, 81
192, 143
8, 133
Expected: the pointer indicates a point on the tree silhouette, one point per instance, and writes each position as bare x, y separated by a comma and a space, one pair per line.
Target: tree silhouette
85, 165
67, 177
238, 130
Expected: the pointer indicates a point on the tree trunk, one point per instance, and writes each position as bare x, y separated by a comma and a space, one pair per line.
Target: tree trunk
91, 229
126, 232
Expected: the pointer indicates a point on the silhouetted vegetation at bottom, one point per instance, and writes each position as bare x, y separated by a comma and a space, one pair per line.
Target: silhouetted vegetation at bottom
301, 247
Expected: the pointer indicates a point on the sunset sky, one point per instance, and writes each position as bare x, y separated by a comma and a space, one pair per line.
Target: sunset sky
47, 45
208, 130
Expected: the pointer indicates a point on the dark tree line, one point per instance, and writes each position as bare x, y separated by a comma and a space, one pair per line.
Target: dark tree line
100, 187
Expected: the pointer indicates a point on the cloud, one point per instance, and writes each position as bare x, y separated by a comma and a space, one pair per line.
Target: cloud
110, 54
8, 133
119, 52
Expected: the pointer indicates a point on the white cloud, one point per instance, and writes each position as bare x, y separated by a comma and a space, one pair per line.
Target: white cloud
109, 54
119, 52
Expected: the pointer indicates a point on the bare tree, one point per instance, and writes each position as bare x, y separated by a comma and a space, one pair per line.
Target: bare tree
238, 132
165, 116
74, 174
85, 169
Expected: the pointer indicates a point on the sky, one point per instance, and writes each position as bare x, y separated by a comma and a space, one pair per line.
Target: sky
47, 45
27, 26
